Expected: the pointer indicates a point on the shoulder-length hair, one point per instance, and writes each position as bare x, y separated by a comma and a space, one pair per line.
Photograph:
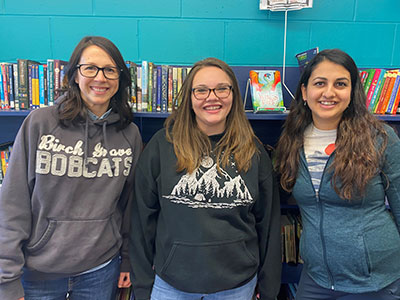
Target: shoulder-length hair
191, 144
72, 107
357, 153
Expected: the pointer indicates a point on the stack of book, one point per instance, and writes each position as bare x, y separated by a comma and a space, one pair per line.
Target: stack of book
382, 88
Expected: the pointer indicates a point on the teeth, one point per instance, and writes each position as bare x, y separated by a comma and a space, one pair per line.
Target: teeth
327, 102
99, 89
212, 107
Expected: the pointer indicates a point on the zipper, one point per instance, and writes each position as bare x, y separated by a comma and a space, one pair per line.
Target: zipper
321, 231
319, 204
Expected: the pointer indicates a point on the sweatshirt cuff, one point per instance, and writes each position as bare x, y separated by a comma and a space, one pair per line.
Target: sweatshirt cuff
125, 265
11, 290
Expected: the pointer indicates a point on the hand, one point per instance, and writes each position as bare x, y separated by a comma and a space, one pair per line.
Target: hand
124, 280
21, 298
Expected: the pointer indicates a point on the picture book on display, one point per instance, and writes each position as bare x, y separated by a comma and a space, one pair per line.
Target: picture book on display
304, 57
266, 91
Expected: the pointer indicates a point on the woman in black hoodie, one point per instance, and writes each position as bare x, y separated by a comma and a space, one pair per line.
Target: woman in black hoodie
205, 216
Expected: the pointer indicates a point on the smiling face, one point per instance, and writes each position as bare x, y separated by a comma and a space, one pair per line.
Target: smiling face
327, 94
96, 92
211, 112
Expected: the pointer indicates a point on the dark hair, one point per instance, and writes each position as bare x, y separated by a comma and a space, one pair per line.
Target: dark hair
356, 154
71, 105
191, 144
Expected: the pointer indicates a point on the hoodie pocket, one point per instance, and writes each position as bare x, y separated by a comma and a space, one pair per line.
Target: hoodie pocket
72, 246
209, 267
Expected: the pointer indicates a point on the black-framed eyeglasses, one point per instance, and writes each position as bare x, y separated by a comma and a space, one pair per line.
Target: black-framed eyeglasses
91, 71
203, 93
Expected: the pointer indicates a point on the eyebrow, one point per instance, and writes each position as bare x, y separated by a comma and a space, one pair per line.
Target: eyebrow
324, 78
217, 85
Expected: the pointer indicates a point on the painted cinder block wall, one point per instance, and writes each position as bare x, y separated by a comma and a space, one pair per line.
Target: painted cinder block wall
184, 31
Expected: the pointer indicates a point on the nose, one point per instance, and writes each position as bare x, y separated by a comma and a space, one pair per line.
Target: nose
329, 91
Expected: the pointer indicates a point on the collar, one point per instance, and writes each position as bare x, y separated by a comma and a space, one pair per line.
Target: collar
93, 117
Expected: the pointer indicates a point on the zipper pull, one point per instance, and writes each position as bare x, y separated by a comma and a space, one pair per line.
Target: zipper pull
317, 195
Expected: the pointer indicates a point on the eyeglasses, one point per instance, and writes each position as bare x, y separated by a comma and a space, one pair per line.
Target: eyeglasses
203, 93
91, 71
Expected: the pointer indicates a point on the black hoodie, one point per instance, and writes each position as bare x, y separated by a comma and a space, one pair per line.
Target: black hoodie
207, 231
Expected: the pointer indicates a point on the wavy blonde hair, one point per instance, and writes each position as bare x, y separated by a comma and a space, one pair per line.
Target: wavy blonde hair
191, 144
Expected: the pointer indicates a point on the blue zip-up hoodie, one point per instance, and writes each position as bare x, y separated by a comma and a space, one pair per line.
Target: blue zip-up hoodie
352, 246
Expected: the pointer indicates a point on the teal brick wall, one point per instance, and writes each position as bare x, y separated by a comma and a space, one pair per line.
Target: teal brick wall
184, 31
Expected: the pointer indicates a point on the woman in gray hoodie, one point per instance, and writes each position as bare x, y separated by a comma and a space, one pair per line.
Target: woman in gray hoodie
64, 200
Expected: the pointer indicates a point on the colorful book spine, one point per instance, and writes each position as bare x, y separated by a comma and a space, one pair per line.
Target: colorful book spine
170, 90
15, 78
133, 89
393, 94
145, 85
175, 87
154, 89
139, 88
159, 84
368, 80
388, 93
150, 87
2, 101
378, 105
396, 102
4, 86
372, 87
10, 85
378, 89
41, 86
164, 88
50, 81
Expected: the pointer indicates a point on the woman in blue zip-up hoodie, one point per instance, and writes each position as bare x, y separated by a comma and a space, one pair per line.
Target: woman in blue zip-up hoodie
340, 163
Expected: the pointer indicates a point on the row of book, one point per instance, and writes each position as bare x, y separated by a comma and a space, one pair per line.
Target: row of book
5, 151
382, 88
291, 228
155, 87
28, 84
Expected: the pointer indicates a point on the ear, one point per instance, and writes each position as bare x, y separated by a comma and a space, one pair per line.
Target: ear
304, 92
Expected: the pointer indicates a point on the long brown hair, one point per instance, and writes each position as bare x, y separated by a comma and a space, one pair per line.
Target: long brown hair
191, 144
360, 142
72, 107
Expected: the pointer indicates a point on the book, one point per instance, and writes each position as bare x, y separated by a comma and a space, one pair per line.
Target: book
58, 66
303, 58
368, 80
385, 84
159, 84
50, 82
145, 84
372, 86
15, 78
170, 92
392, 78
390, 107
377, 89
154, 89
164, 88
266, 90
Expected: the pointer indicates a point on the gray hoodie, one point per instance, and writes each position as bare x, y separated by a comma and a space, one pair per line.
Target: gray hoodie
64, 200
